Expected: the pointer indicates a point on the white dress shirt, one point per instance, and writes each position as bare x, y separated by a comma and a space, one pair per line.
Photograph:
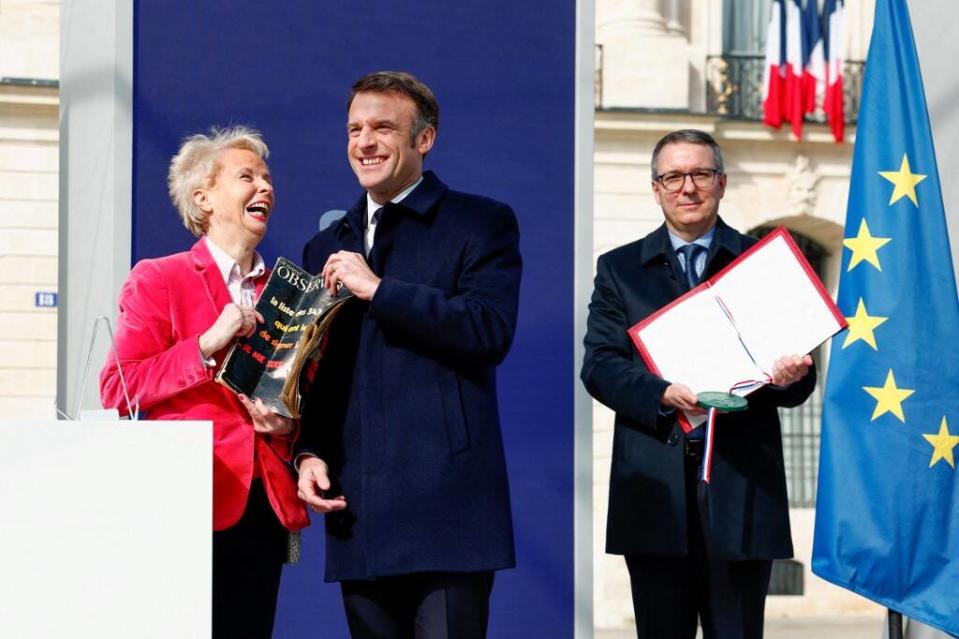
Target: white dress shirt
242, 288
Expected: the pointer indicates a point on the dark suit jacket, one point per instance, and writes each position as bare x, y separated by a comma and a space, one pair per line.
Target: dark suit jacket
405, 409
748, 510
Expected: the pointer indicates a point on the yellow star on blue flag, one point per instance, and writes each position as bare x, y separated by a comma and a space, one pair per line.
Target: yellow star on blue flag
865, 247
905, 181
862, 326
942, 444
889, 398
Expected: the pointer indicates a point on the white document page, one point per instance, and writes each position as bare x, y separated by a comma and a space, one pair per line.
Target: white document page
694, 344
776, 306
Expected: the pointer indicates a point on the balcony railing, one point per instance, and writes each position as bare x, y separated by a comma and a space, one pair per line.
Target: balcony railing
734, 88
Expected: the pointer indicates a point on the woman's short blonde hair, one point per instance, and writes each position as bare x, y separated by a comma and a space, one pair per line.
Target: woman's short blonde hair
196, 166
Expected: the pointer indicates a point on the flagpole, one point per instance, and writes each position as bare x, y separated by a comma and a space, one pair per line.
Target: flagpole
895, 624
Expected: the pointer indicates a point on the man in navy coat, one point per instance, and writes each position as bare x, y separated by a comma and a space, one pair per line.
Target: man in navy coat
401, 442
692, 550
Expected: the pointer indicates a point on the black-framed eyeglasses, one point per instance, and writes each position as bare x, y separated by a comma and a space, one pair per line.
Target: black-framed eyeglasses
674, 181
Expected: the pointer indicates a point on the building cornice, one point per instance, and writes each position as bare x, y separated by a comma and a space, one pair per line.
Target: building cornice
658, 122
29, 92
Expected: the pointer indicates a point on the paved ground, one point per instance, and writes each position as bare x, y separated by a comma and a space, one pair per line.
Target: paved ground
805, 628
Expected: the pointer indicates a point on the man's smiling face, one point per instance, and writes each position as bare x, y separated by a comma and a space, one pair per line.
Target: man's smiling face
691, 211
382, 154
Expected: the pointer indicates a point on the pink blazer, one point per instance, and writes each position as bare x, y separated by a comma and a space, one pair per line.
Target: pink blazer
165, 305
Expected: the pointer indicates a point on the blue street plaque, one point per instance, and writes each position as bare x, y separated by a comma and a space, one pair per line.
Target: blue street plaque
45, 299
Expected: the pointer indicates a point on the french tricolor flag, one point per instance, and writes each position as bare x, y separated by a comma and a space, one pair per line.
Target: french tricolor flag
774, 83
814, 58
783, 87
794, 107
834, 41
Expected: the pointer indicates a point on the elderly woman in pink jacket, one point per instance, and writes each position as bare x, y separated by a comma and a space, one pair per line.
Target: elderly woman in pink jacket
178, 315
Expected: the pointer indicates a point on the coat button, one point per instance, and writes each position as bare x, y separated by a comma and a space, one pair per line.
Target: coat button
673, 439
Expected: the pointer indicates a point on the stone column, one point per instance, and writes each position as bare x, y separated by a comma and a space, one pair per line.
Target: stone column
96, 147
672, 18
644, 63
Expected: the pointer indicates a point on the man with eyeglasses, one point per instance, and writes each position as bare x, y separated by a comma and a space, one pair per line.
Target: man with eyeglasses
694, 552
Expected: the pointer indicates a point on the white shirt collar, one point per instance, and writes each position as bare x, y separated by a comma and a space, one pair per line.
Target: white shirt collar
228, 266
705, 240
372, 206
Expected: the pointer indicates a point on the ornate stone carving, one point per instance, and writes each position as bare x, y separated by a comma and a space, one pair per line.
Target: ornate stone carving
801, 187
717, 75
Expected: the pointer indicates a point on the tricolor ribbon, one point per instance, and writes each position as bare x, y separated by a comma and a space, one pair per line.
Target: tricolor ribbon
707, 469
706, 472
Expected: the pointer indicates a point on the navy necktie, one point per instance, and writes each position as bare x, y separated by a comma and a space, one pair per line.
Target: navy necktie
691, 253
373, 222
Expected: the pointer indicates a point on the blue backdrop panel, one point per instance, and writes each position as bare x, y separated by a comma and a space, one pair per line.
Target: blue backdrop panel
503, 74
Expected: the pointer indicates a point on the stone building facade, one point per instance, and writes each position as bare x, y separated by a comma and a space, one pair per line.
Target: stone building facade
29, 168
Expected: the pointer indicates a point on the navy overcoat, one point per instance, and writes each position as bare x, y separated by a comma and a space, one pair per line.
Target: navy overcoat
404, 408
748, 509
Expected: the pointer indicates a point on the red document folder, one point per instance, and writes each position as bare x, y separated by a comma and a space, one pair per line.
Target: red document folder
733, 326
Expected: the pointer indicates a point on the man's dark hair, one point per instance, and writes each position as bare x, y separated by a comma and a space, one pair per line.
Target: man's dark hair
689, 136
427, 110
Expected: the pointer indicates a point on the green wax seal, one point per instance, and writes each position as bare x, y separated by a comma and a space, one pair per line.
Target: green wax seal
726, 402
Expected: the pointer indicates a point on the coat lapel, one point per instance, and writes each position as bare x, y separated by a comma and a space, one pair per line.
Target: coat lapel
350, 228
657, 252
210, 276
419, 205
726, 246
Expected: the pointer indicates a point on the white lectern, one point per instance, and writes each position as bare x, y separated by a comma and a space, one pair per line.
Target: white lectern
105, 529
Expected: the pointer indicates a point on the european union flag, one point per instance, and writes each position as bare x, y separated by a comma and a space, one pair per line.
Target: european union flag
887, 517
